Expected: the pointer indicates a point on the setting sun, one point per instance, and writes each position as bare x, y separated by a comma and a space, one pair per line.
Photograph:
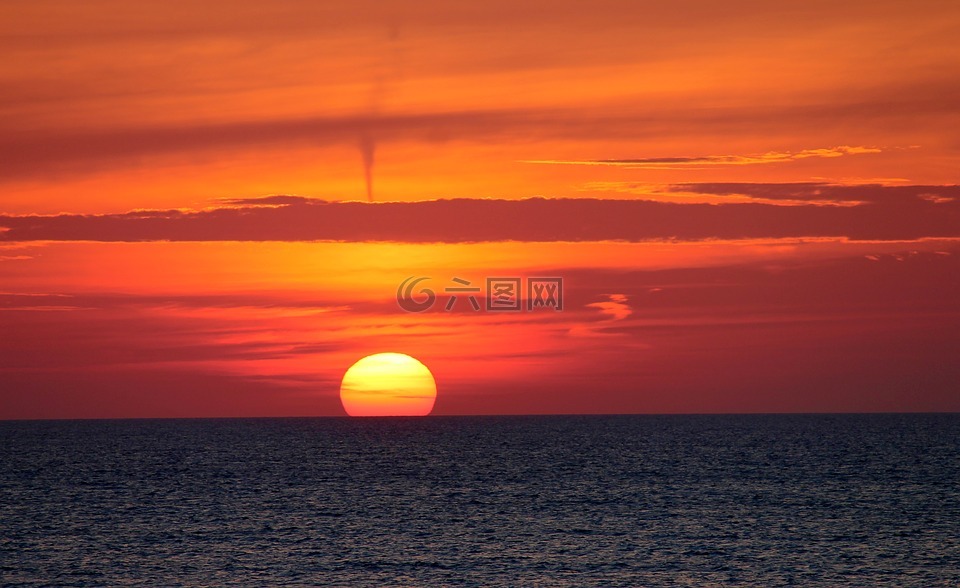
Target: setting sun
388, 384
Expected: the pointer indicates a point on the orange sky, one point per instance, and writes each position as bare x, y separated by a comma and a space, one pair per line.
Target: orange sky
787, 243
109, 106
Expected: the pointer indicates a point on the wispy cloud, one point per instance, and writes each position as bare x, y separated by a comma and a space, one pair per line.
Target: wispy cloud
679, 193
615, 307
710, 160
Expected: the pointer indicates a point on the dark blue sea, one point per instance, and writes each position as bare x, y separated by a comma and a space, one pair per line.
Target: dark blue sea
806, 500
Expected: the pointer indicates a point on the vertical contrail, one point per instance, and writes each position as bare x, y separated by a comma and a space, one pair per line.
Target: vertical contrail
368, 144
367, 149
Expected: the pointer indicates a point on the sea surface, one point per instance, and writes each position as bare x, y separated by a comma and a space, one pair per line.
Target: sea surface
805, 500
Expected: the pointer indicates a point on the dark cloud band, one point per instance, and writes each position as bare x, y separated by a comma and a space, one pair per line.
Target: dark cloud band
881, 213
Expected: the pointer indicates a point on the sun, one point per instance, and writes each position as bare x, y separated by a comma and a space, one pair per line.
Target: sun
388, 384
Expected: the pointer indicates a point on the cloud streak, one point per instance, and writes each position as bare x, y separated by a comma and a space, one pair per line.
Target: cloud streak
709, 160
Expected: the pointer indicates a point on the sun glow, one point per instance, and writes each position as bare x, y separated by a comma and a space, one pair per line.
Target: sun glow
388, 384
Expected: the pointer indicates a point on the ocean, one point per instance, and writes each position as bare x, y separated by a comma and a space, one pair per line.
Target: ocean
757, 500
